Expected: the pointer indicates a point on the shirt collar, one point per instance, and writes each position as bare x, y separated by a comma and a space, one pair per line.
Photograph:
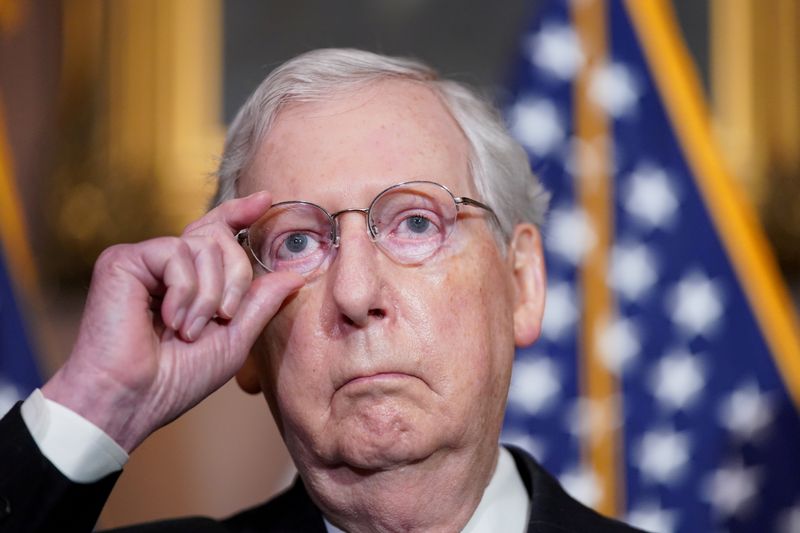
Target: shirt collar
504, 505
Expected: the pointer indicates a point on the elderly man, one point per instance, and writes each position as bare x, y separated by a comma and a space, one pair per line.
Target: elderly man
371, 263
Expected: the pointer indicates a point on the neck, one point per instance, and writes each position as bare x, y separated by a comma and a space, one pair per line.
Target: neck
439, 493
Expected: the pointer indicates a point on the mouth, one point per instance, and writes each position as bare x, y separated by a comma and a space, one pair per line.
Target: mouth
375, 379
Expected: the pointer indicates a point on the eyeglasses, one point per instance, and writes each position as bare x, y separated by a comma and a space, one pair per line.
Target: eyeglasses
410, 222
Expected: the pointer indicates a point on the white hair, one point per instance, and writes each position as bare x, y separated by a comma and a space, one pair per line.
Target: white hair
499, 166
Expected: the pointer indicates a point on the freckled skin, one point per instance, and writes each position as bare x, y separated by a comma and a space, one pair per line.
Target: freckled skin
437, 339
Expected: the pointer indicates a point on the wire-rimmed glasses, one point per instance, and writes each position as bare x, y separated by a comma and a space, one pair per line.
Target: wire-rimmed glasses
409, 221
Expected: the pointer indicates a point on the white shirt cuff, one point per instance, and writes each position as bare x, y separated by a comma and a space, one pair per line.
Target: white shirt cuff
81, 451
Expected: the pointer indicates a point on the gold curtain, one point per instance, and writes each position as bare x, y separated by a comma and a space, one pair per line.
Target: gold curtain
140, 123
755, 74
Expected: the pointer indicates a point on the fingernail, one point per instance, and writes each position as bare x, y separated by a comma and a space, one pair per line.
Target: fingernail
229, 302
179, 316
194, 330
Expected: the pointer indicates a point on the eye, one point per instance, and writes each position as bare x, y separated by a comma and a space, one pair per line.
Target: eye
296, 242
294, 246
417, 224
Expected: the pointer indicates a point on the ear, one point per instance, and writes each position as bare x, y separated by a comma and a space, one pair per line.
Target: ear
247, 376
527, 266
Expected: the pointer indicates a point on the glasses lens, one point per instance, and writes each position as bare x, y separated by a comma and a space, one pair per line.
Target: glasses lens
412, 221
292, 236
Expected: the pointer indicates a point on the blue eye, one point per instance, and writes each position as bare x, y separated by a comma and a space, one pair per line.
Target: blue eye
418, 224
295, 246
296, 242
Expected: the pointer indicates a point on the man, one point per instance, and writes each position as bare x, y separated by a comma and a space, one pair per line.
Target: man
371, 263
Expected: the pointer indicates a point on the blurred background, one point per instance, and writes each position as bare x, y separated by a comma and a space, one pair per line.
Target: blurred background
114, 111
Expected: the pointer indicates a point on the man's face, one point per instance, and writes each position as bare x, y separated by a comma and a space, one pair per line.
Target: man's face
374, 364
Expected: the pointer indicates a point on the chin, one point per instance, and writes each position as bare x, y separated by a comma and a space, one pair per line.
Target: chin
383, 441
371, 452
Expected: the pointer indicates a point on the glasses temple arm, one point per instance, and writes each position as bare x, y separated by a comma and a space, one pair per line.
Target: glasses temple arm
475, 203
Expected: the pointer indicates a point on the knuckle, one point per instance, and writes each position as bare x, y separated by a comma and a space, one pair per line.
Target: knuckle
178, 245
205, 247
112, 253
240, 271
194, 226
211, 244
170, 243
185, 288
221, 230
111, 256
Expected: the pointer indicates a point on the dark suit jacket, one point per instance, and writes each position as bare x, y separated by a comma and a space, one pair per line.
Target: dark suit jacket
35, 496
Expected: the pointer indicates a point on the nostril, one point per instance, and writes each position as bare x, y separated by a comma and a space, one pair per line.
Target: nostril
373, 313
377, 313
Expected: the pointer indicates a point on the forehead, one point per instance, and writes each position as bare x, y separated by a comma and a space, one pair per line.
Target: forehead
343, 151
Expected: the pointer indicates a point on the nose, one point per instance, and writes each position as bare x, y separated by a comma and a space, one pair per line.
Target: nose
356, 282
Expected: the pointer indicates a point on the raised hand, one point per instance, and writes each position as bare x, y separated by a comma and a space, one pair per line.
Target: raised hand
167, 322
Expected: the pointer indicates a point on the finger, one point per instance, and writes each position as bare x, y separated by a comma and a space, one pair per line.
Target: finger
236, 214
168, 262
210, 280
237, 268
238, 276
259, 306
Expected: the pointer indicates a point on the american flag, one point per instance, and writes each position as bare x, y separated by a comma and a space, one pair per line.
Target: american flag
18, 370
665, 388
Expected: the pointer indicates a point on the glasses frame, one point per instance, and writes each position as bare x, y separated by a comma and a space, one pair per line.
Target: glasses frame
243, 236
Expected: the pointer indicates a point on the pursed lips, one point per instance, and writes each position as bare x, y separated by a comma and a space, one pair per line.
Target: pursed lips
374, 378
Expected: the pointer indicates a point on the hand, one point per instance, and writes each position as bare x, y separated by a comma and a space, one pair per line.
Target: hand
167, 322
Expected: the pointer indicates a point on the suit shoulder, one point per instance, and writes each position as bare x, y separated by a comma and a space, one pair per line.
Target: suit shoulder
552, 509
178, 525
290, 511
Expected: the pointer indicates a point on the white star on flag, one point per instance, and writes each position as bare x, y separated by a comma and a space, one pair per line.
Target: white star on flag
662, 456
789, 520
556, 50
677, 379
560, 312
732, 490
614, 88
536, 123
619, 345
649, 516
746, 412
582, 484
648, 195
535, 384
633, 270
569, 234
695, 304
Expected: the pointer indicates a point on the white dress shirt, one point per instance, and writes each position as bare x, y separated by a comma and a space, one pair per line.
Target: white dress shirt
503, 506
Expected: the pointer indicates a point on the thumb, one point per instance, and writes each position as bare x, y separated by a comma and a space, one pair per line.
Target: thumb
259, 306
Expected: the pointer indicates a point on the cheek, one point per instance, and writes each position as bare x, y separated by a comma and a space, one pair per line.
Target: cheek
471, 322
480, 294
289, 354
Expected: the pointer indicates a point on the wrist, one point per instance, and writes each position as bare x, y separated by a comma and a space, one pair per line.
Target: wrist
100, 401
